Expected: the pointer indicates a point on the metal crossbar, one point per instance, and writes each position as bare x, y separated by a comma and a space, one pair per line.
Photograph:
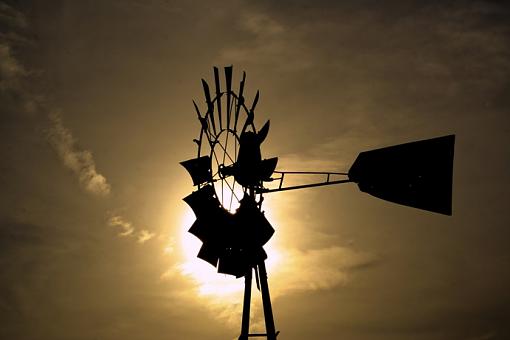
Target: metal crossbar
281, 187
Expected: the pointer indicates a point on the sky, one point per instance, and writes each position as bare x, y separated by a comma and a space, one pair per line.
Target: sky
96, 113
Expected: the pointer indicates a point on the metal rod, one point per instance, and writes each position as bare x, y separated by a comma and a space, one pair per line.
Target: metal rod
245, 325
266, 302
265, 190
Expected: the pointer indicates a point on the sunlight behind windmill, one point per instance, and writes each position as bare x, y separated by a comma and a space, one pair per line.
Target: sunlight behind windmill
231, 178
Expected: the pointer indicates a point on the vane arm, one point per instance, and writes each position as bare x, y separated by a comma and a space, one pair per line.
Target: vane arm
327, 181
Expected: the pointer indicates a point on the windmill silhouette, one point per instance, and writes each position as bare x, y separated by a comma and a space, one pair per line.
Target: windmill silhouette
231, 179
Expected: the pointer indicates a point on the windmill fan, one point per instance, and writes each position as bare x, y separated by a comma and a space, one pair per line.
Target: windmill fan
230, 177
227, 171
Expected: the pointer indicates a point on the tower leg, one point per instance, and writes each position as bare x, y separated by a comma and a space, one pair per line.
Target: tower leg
266, 302
245, 325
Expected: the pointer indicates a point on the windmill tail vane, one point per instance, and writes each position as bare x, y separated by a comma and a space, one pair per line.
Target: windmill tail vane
231, 177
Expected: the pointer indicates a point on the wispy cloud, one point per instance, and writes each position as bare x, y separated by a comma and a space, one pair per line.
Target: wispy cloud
12, 17
144, 235
80, 161
273, 43
14, 76
10, 68
317, 269
485, 336
126, 227
13, 79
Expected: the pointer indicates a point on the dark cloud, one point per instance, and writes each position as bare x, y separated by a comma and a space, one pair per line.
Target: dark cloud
12, 17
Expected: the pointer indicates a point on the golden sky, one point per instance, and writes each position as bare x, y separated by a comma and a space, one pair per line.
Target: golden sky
96, 113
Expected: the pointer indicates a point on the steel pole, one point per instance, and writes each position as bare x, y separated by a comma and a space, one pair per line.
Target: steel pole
266, 302
245, 324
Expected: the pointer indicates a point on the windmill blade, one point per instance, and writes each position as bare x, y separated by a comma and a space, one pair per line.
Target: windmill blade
198, 230
213, 225
228, 81
262, 134
251, 113
209, 254
210, 109
218, 94
199, 169
202, 120
255, 101
251, 224
211, 231
237, 261
240, 101
417, 174
203, 201
233, 261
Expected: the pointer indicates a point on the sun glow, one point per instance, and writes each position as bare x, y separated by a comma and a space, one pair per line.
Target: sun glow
208, 280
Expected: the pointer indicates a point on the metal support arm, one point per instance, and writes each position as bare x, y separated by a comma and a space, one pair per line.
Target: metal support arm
328, 180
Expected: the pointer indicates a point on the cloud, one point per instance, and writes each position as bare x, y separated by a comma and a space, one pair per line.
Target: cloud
144, 235
126, 227
12, 17
485, 336
317, 269
13, 79
335, 153
160, 5
272, 43
24, 106
10, 69
78, 160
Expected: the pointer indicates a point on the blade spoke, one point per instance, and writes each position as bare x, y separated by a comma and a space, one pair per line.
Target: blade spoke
228, 155
232, 196
226, 148
233, 193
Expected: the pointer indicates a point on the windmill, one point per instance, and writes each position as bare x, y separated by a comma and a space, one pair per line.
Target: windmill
231, 179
